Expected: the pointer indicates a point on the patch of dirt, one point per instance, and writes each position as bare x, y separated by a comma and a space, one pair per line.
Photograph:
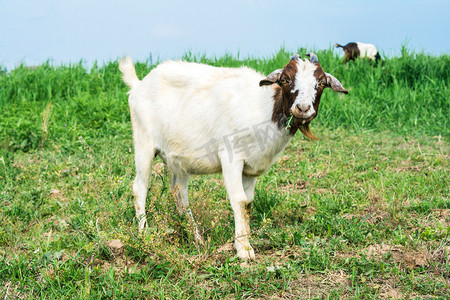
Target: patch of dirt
339, 278
344, 255
409, 168
391, 294
58, 195
351, 216
158, 169
55, 193
322, 191
318, 175
371, 214
120, 261
378, 250
375, 196
376, 216
280, 257
410, 259
310, 211
59, 223
14, 290
438, 219
414, 259
48, 235
283, 158
227, 247
299, 185
116, 247
443, 216
441, 255
314, 286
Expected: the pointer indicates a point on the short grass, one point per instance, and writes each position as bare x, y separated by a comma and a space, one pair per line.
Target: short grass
362, 213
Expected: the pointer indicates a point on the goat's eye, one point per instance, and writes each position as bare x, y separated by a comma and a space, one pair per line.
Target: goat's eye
322, 83
283, 81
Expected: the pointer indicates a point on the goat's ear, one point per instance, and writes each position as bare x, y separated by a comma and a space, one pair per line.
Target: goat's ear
271, 78
335, 84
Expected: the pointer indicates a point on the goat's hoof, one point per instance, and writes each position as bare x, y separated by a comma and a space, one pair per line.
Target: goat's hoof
142, 225
246, 253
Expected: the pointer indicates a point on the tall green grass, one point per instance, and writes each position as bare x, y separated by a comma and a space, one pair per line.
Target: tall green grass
406, 94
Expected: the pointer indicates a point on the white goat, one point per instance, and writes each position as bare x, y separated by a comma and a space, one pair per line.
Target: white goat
358, 49
201, 119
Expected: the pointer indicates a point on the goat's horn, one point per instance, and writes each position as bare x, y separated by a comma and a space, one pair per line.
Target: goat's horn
312, 57
295, 56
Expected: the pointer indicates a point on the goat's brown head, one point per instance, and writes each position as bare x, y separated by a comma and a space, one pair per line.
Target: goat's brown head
300, 86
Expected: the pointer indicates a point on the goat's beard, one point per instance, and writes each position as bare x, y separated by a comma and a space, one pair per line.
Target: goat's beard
304, 128
302, 125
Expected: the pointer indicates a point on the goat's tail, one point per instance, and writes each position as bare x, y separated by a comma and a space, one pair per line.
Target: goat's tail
338, 46
129, 72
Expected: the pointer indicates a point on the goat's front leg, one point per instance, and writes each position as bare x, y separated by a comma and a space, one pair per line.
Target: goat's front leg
232, 174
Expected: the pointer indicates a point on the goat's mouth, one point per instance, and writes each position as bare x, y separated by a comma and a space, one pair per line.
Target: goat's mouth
303, 117
303, 120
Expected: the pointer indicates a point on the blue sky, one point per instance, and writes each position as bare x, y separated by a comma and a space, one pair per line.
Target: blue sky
32, 31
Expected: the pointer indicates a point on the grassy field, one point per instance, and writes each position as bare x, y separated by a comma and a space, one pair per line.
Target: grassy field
362, 213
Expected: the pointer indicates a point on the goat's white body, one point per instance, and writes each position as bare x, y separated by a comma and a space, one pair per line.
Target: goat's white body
367, 50
197, 114
200, 120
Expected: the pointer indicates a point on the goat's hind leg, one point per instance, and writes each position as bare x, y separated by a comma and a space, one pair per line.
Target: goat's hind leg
179, 189
248, 182
144, 154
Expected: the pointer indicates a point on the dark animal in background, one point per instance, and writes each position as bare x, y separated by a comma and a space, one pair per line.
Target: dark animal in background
354, 50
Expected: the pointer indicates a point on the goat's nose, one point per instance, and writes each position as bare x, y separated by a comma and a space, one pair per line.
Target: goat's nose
303, 107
